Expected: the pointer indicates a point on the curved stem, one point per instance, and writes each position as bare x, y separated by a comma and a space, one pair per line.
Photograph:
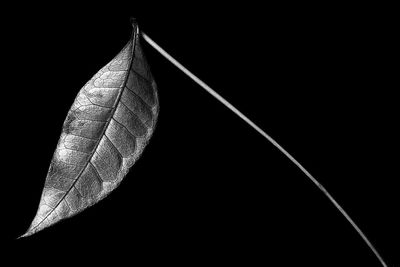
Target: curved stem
269, 138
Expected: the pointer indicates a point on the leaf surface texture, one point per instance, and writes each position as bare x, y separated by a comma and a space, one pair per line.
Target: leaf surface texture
105, 132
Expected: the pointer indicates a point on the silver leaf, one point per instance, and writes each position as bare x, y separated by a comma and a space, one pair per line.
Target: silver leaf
105, 132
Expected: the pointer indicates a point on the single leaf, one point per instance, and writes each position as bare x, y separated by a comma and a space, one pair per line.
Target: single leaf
105, 132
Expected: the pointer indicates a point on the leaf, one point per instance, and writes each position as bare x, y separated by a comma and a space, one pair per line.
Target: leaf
105, 132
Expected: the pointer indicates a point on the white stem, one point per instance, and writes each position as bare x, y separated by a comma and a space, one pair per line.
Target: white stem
269, 138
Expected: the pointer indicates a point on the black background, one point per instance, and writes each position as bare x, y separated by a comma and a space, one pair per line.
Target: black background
208, 188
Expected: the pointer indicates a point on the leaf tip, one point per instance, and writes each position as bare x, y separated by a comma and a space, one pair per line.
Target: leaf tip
27, 233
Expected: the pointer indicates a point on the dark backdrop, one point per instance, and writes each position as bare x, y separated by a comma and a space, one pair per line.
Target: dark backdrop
208, 188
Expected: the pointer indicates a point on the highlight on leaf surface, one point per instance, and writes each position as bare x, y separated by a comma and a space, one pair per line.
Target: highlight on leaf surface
105, 132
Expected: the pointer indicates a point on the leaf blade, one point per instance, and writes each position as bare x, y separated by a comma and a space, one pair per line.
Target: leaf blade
105, 132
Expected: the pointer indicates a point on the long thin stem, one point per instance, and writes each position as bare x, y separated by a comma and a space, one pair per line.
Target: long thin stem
269, 138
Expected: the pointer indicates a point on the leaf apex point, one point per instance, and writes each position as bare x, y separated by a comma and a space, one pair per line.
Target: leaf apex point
22, 236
